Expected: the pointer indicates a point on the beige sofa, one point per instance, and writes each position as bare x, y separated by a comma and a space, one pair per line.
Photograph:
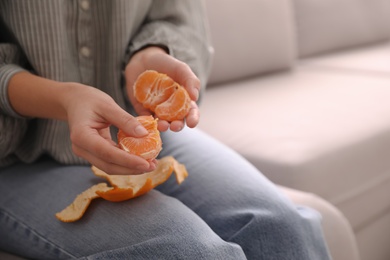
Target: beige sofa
301, 88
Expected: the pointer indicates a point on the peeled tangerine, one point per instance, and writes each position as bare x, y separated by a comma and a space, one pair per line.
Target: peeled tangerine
147, 147
125, 187
162, 95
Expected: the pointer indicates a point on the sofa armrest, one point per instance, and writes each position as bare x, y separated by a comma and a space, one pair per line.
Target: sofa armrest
337, 230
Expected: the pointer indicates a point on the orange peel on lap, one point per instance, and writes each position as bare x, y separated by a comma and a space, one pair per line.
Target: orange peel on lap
124, 187
78, 207
131, 186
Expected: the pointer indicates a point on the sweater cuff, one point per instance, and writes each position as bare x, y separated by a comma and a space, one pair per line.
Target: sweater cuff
6, 72
12, 132
189, 48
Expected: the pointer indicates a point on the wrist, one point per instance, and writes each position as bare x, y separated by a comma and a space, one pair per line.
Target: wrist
142, 55
34, 96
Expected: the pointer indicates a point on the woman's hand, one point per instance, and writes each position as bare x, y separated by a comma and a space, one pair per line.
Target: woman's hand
90, 112
155, 58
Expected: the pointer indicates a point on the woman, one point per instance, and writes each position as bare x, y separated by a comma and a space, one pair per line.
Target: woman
66, 75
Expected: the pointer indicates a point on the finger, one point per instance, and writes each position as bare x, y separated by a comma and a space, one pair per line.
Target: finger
123, 120
183, 75
153, 163
111, 167
106, 134
193, 115
107, 167
96, 149
94, 144
177, 125
162, 125
192, 85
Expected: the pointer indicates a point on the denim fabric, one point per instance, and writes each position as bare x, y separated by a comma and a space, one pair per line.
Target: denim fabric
225, 209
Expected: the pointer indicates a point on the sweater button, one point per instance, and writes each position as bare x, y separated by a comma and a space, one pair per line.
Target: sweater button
85, 51
85, 5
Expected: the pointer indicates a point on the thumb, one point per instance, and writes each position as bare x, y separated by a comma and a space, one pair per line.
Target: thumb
124, 121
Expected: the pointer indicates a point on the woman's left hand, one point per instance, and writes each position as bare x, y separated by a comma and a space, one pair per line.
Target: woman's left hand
155, 58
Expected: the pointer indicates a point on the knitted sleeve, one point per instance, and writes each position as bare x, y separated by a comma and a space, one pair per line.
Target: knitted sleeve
12, 125
181, 27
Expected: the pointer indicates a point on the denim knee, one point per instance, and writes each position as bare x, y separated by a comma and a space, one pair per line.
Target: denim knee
281, 233
25, 241
191, 247
209, 246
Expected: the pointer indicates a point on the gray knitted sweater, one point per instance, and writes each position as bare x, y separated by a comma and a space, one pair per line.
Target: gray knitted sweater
88, 42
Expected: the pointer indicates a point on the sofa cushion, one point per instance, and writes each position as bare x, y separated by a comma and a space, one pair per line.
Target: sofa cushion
327, 25
250, 37
314, 130
372, 60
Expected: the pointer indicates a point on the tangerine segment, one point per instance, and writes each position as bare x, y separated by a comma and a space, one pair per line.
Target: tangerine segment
148, 147
78, 207
153, 90
148, 122
176, 107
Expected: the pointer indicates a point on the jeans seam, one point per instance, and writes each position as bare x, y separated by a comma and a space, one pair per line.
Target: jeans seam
15, 219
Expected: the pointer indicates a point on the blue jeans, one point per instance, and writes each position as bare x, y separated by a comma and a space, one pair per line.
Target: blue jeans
225, 209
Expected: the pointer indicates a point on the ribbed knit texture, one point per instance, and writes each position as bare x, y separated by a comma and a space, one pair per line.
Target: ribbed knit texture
88, 42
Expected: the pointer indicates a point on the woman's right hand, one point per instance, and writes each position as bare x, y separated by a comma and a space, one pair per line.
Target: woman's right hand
90, 112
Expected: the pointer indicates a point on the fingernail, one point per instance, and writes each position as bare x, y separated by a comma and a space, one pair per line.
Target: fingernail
142, 167
196, 94
179, 128
140, 130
